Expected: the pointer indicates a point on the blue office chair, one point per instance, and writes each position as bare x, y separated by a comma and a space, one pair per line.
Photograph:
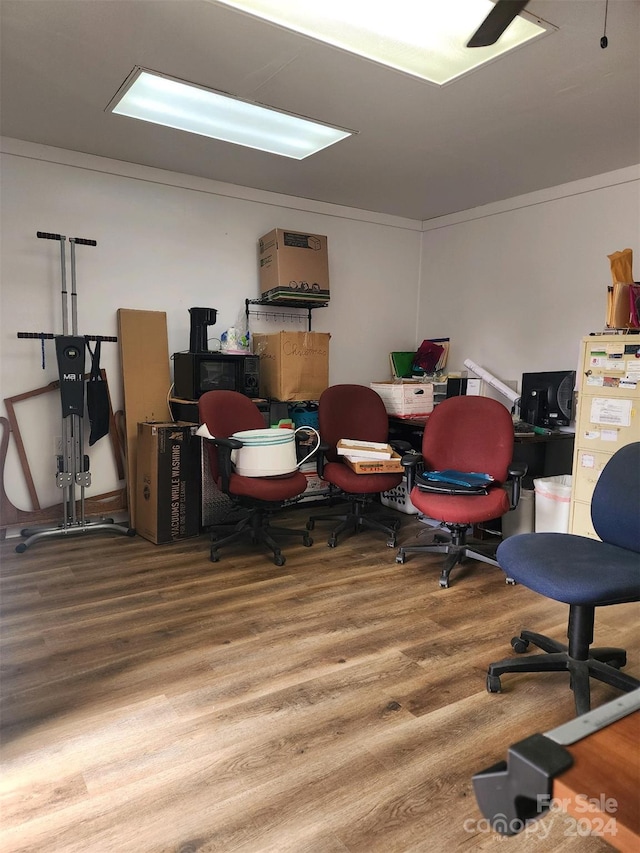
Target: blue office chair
583, 573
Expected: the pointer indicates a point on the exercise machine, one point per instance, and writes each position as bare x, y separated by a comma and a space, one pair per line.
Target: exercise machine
72, 475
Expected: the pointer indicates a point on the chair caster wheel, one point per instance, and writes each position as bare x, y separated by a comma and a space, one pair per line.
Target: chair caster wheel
307, 541
493, 684
214, 556
279, 560
511, 582
519, 645
440, 539
332, 542
310, 524
444, 583
400, 557
392, 542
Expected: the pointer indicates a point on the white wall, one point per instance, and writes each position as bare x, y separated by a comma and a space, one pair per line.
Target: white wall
168, 242
517, 284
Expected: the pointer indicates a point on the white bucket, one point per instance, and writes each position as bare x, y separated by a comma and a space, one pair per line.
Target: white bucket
553, 503
269, 452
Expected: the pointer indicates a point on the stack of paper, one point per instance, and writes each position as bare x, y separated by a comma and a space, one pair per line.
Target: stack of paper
355, 449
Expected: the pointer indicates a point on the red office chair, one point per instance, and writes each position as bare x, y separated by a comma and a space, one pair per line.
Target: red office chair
471, 434
224, 413
357, 412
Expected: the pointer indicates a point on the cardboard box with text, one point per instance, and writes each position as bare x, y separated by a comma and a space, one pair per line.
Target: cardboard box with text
294, 265
168, 482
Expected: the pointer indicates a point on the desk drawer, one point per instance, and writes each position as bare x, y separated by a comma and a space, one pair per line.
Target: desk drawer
588, 467
607, 437
581, 520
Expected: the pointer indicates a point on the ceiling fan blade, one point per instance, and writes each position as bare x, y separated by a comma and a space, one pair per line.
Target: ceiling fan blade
496, 22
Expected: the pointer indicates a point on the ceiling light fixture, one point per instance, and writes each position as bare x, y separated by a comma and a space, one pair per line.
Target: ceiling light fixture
159, 99
424, 38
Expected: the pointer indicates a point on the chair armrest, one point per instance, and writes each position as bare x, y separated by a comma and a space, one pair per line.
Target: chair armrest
320, 457
410, 462
225, 446
517, 470
400, 446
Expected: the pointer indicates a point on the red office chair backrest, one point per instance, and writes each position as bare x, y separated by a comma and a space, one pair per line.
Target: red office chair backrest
351, 411
469, 434
224, 413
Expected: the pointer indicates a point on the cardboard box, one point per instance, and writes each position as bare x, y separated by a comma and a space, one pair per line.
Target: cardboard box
168, 482
375, 466
294, 265
405, 399
293, 365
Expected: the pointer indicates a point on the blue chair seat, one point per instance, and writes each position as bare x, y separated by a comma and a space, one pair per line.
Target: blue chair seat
571, 569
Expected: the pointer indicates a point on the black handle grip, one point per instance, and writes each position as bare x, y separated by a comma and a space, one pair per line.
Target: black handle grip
45, 336
44, 235
83, 242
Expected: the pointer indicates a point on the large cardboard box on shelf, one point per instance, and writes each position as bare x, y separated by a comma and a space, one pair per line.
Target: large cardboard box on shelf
168, 481
405, 398
293, 365
294, 265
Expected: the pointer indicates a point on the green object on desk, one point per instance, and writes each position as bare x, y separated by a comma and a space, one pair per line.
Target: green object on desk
402, 365
542, 431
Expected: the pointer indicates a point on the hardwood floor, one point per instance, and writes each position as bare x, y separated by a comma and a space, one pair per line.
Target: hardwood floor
155, 702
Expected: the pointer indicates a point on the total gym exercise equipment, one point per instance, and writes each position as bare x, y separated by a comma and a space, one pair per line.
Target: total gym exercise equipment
72, 463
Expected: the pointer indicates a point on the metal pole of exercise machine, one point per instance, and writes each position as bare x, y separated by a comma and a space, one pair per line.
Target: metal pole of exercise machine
72, 463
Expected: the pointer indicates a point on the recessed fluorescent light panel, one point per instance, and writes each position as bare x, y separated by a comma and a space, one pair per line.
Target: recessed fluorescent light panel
154, 97
424, 38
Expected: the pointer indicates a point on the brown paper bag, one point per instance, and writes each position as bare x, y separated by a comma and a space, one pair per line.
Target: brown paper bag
619, 307
621, 266
293, 365
618, 294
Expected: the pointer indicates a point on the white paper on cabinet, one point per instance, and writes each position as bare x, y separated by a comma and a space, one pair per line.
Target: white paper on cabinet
604, 410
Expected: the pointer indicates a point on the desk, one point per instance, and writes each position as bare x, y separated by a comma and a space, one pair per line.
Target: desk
544, 455
606, 773
589, 768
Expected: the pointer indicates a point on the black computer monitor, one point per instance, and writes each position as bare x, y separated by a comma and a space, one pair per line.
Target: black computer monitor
546, 399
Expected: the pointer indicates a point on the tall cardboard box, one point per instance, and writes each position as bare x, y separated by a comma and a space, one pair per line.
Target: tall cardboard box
293, 365
294, 265
168, 482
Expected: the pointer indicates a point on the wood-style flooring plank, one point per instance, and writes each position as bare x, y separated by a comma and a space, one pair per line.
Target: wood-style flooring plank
154, 702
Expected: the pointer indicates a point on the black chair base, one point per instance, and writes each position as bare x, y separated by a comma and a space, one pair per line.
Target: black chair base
257, 528
359, 517
603, 664
456, 548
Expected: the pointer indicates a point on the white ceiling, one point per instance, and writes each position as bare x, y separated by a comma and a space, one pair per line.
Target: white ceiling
555, 111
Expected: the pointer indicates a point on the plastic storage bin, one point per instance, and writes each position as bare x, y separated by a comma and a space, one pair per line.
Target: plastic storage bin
553, 503
399, 499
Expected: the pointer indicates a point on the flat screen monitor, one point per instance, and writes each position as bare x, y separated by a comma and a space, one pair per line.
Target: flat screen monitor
546, 399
